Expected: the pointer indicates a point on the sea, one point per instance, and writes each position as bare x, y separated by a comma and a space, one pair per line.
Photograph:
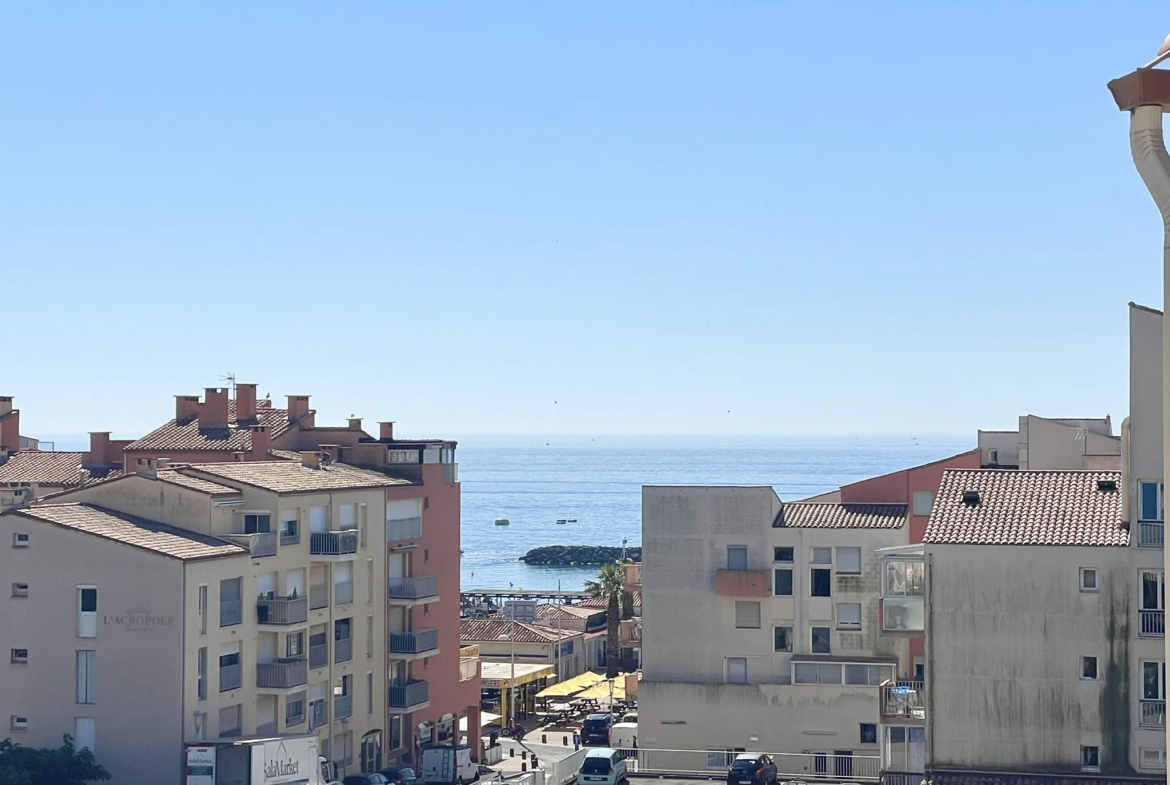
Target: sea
534, 481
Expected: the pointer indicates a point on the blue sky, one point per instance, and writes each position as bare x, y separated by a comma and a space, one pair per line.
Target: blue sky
721, 218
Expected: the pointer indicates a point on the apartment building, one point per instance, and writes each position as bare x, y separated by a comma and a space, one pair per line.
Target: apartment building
1053, 443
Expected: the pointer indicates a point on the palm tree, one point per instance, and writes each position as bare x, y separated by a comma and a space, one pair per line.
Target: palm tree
611, 584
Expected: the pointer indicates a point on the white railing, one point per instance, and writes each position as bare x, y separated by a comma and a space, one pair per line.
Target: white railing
1150, 534
338, 543
789, 766
1153, 714
1153, 624
904, 699
404, 529
468, 668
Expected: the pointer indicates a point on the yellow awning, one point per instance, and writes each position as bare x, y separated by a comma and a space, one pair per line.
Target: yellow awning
571, 686
601, 690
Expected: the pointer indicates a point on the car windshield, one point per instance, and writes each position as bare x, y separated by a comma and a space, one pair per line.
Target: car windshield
595, 766
745, 764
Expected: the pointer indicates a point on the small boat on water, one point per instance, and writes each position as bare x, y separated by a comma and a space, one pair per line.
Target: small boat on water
502, 521
561, 521
572, 520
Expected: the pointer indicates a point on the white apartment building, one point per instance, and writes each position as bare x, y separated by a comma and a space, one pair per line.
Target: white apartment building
1053, 443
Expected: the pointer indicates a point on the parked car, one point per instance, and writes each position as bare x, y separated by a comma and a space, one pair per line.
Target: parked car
399, 775
595, 729
364, 779
752, 768
603, 767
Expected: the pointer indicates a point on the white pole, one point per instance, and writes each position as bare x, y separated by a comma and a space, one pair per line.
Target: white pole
512, 680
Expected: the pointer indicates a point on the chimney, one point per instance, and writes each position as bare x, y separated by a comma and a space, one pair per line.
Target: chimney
355, 423
5, 404
213, 412
245, 401
261, 441
298, 406
310, 459
162, 463
99, 448
333, 451
386, 431
186, 407
239, 456
10, 425
145, 467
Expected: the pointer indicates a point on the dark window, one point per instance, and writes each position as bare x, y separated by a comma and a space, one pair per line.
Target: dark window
783, 583
783, 555
822, 581
1090, 758
820, 640
89, 600
783, 638
1089, 668
868, 733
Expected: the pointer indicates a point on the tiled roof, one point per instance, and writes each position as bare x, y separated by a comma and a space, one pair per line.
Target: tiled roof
289, 477
285, 455
603, 603
813, 515
47, 468
576, 612
94, 476
471, 630
1027, 508
186, 435
134, 531
194, 483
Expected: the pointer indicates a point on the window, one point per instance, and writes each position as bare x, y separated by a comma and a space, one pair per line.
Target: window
1153, 680
230, 672
369, 692
849, 561
820, 640
343, 640
369, 637
1151, 493
816, 673
342, 583
203, 609
736, 557
822, 583
1153, 591
1090, 761
868, 733
19, 657
231, 609
1151, 758
747, 614
783, 638
737, 670
20, 590
19, 540
1089, 668
849, 616
905, 579
785, 555
294, 709
868, 675
369, 580
17, 722
1088, 579
783, 586
84, 733
87, 677
86, 612
993, 456
923, 502
348, 516
290, 533
256, 522
229, 720
201, 677
294, 644
821, 556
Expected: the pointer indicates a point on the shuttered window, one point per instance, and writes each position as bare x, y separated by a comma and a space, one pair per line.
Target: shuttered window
747, 614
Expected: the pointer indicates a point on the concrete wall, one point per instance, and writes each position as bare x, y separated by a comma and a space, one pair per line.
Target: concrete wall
1055, 445
1145, 401
148, 498
1006, 445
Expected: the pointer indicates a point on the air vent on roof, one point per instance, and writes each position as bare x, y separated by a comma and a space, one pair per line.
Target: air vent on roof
971, 498
1107, 485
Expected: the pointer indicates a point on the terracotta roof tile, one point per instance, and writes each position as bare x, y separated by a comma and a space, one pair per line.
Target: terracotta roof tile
131, 530
290, 477
186, 435
557, 611
48, 468
175, 477
471, 630
814, 515
1027, 508
285, 455
603, 603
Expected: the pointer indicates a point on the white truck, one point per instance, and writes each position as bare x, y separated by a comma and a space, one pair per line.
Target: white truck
269, 761
448, 765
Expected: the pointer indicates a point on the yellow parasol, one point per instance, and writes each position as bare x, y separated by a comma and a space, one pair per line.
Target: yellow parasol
570, 686
601, 690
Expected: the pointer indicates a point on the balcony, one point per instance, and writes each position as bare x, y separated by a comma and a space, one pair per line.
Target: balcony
468, 668
319, 655
282, 674
1153, 624
414, 591
743, 583
1153, 714
1150, 534
903, 700
404, 529
343, 650
333, 546
318, 596
282, 610
420, 643
411, 696
259, 544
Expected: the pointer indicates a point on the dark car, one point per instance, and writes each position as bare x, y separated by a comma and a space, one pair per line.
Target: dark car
364, 779
595, 729
399, 775
750, 768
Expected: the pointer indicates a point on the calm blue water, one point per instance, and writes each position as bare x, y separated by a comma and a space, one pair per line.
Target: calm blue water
533, 481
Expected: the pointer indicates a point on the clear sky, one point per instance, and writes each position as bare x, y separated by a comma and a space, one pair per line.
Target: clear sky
592, 218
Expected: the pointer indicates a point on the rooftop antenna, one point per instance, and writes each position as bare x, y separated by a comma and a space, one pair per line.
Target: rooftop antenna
230, 378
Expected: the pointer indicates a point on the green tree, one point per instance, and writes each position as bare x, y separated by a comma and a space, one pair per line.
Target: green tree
611, 584
62, 765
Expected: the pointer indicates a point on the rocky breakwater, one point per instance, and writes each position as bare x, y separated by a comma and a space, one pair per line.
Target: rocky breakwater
578, 555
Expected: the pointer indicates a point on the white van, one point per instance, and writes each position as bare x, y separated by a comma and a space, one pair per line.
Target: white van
602, 767
448, 765
624, 736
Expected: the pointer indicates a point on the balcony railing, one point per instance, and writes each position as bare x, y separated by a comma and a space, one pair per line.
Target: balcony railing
267, 729
1153, 714
1153, 624
282, 610
230, 677
904, 700
318, 596
743, 583
420, 587
282, 674
404, 529
343, 650
259, 544
339, 543
450, 472
342, 706
902, 778
404, 696
1150, 534
319, 655
468, 668
416, 642
295, 713
318, 714
290, 538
